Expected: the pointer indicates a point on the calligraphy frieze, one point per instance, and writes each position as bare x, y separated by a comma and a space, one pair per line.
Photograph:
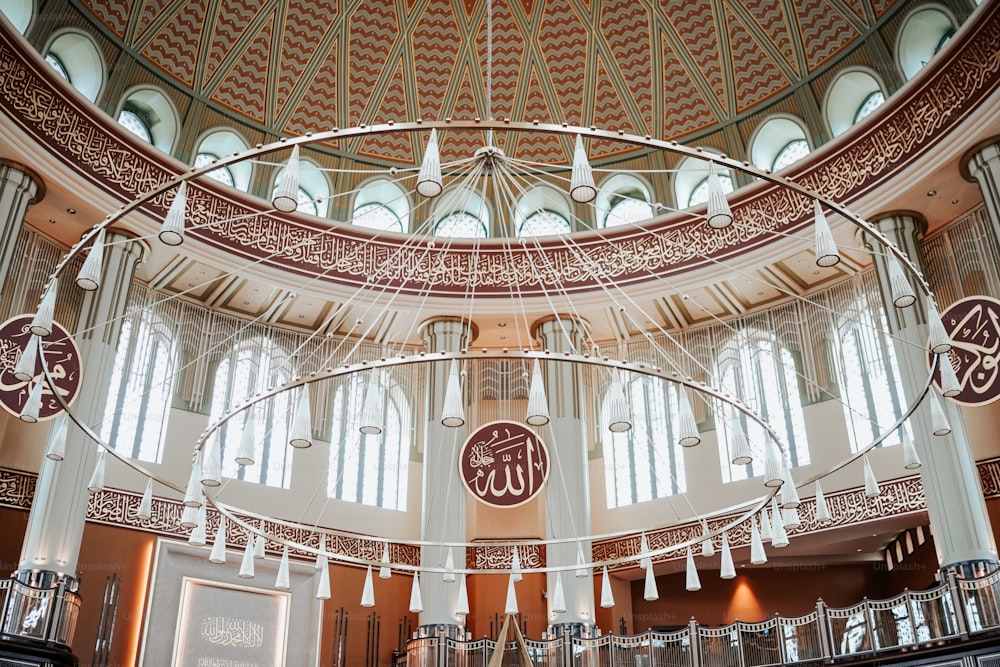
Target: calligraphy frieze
93, 145
63, 360
500, 557
503, 464
973, 324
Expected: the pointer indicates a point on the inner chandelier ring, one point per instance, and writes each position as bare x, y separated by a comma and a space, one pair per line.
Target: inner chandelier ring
146, 200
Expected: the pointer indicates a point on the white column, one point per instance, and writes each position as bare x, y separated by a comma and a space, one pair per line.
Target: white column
959, 521
59, 509
567, 492
443, 517
982, 166
19, 188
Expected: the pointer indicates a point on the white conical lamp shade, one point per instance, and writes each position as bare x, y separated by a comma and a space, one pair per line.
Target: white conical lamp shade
259, 546
607, 597
739, 446
559, 596
790, 518
773, 468
789, 494
693, 582
189, 518
581, 569
246, 565
192, 494
538, 404
757, 555
823, 515
515, 565
649, 591
416, 601
510, 604
453, 411
323, 589
282, 581
89, 276
719, 214
41, 323
56, 448
218, 555
911, 461
24, 370
581, 185
687, 427
707, 545
950, 385
429, 183
644, 560
145, 510
211, 467
301, 436
940, 341
462, 600
385, 571
939, 420
368, 591
248, 441
198, 537
321, 559
286, 194
727, 569
172, 230
826, 247
903, 295
449, 567
766, 532
779, 538
370, 422
32, 406
871, 483
97, 477
619, 419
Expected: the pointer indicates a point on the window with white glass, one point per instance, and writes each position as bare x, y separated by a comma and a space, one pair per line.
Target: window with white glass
623, 199
219, 143
462, 213
381, 205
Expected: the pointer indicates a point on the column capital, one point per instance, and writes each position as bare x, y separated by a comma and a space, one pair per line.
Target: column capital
35, 177
440, 323
974, 160
579, 325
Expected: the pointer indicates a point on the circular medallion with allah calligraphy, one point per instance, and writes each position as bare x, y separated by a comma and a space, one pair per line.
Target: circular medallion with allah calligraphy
61, 356
974, 326
503, 464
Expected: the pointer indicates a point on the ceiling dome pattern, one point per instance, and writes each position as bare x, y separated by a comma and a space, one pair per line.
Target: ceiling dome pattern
673, 70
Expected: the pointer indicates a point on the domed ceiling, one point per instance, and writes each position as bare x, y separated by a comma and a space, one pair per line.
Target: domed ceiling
675, 70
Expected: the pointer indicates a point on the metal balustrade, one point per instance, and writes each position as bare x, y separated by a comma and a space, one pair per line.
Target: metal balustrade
47, 614
957, 609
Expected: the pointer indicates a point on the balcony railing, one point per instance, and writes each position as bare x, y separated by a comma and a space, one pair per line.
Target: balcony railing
46, 614
957, 609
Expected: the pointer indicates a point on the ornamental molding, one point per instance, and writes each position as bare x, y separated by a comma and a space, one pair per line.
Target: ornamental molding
844, 170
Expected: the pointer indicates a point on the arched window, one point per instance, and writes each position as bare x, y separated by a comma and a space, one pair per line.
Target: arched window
623, 199
370, 469
542, 211
18, 12
777, 143
223, 143
923, 34
691, 182
149, 115
645, 462
381, 204
757, 368
135, 415
75, 56
462, 213
852, 92
314, 189
251, 367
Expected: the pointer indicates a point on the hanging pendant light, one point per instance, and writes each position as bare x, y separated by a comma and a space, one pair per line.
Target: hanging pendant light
823, 515
619, 419
940, 342
607, 597
385, 571
453, 411
248, 441
911, 461
649, 591
687, 426
950, 385
757, 555
510, 604
790, 519
644, 560
211, 467
189, 518
429, 183
302, 422
32, 406
693, 581
368, 591
515, 566
282, 581
581, 186
24, 370
727, 569
707, 545
261, 543
779, 538
903, 295
218, 555
449, 567
285, 197
56, 448
789, 494
871, 483
172, 230
581, 569
559, 596
538, 404
719, 214
197, 537
370, 421
323, 590
89, 276
766, 532
192, 494
462, 600
416, 601
826, 247
739, 446
145, 510
97, 478
939, 420
246, 565
41, 323
321, 559
773, 466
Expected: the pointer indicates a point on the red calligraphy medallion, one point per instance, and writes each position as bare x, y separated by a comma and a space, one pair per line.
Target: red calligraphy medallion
973, 324
504, 464
61, 356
